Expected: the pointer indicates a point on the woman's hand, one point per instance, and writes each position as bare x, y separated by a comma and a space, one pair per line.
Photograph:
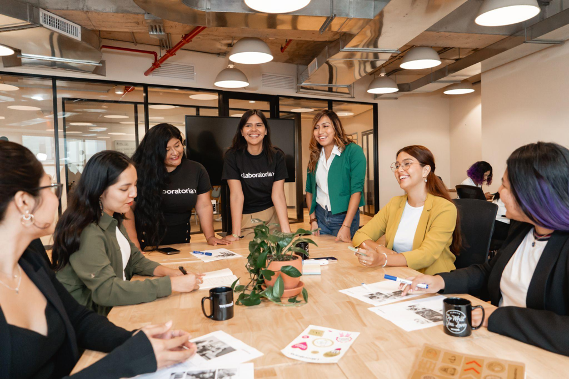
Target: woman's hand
477, 314
435, 284
369, 257
489, 196
315, 226
231, 238
186, 283
212, 240
343, 234
170, 347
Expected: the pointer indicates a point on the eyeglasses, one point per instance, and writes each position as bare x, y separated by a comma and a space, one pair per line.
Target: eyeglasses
55, 188
396, 165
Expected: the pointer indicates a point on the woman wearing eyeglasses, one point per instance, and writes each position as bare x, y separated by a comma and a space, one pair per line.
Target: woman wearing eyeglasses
41, 325
421, 227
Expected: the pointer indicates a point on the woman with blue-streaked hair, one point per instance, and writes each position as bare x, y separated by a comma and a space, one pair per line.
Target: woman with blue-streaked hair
528, 278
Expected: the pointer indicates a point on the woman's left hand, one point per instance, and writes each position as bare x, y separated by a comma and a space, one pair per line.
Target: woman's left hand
343, 235
212, 240
370, 257
477, 314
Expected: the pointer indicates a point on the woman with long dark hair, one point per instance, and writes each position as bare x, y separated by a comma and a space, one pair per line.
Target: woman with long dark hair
41, 325
421, 227
169, 187
335, 178
528, 278
479, 174
92, 253
256, 173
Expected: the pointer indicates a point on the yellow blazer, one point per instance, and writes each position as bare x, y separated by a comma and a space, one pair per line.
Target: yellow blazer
430, 253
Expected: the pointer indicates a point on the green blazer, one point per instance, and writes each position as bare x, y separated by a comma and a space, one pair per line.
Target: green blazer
94, 274
346, 177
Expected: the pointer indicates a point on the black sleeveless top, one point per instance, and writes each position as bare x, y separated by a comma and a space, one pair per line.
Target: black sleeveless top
32, 353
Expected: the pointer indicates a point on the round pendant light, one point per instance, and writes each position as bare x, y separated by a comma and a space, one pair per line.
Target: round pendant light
382, 85
420, 57
506, 12
459, 89
276, 6
231, 78
8, 87
250, 51
5, 50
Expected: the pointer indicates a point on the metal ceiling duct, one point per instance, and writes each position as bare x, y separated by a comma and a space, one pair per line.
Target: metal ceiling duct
44, 39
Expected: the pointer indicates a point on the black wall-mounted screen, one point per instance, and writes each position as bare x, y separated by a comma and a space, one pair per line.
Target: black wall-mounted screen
208, 138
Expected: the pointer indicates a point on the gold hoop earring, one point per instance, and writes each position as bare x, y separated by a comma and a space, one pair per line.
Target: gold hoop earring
27, 219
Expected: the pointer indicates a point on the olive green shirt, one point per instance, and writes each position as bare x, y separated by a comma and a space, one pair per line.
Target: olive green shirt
94, 274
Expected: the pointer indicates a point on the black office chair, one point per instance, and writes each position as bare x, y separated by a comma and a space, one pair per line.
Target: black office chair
470, 192
477, 218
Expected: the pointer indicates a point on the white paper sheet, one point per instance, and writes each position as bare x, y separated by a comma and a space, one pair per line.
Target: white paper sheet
182, 371
217, 254
413, 315
382, 293
320, 345
214, 279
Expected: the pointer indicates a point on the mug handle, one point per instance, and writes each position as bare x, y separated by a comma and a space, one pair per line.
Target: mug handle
204, 311
482, 319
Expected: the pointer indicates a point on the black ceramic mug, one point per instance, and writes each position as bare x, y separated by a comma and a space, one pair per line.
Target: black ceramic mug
221, 304
305, 246
457, 316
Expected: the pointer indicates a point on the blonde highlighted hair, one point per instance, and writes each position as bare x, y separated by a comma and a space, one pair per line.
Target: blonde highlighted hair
341, 139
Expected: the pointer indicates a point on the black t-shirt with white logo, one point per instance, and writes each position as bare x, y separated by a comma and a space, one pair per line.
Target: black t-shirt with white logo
257, 175
180, 194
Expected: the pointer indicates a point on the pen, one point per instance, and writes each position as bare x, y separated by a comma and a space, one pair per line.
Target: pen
182, 269
202, 253
356, 251
366, 287
403, 281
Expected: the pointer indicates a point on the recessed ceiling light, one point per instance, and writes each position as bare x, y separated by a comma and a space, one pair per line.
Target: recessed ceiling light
302, 110
506, 12
250, 51
73, 132
420, 57
252, 101
86, 124
24, 108
344, 113
156, 118
90, 134
276, 6
119, 90
41, 156
127, 122
98, 129
459, 89
116, 116
237, 115
51, 130
37, 97
5, 50
103, 137
2, 117
117, 133
231, 78
204, 96
8, 87
161, 106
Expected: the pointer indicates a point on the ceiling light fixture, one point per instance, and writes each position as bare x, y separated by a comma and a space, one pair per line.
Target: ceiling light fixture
459, 89
506, 12
277, 6
420, 57
231, 78
119, 90
2, 117
382, 85
117, 133
103, 137
345, 113
204, 96
161, 106
98, 129
156, 118
302, 110
24, 108
5, 50
85, 124
90, 134
237, 115
68, 132
116, 116
250, 51
127, 122
8, 87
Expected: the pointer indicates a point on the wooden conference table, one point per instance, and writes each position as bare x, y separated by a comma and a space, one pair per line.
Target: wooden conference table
382, 350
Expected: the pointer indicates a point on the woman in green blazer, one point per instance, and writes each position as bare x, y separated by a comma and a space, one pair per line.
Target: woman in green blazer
421, 227
92, 253
335, 178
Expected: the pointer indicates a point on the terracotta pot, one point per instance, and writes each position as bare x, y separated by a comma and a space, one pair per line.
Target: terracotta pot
289, 282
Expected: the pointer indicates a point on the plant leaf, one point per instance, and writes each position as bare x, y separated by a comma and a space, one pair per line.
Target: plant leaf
305, 295
267, 274
302, 231
251, 301
234, 285
305, 240
298, 250
291, 271
292, 299
239, 288
278, 287
262, 260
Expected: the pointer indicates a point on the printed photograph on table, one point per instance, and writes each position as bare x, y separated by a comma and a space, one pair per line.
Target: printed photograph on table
212, 348
415, 314
215, 254
378, 293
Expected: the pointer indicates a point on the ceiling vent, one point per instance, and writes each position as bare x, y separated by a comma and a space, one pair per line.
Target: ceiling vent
176, 71
60, 25
283, 82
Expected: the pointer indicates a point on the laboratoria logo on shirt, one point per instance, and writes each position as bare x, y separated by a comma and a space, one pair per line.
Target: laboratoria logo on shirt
257, 175
180, 191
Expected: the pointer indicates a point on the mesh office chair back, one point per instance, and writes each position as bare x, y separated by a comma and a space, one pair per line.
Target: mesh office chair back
470, 192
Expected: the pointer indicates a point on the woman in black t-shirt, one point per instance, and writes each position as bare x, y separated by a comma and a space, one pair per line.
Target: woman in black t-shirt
256, 173
169, 187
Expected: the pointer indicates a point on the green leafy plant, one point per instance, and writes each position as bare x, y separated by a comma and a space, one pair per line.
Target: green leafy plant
265, 248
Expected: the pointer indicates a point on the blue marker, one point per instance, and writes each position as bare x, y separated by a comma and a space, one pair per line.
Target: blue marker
202, 253
403, 281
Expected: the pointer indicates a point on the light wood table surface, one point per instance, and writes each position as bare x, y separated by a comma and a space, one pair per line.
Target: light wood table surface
382, 350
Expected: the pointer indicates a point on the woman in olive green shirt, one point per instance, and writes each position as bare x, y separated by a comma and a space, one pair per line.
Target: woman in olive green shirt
92, 253
335, 178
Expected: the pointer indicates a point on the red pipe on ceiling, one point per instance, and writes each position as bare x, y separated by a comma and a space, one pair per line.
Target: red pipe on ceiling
132, 50
287, 43
169, 53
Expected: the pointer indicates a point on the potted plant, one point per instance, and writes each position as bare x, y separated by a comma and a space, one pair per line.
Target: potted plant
274, 267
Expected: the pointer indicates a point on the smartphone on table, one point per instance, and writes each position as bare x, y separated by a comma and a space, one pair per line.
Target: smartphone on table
168, 250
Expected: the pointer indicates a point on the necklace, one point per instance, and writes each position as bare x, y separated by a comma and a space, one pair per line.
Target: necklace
538, 237
17, 288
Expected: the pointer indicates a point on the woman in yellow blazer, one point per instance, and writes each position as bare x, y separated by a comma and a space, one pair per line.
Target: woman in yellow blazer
421, 228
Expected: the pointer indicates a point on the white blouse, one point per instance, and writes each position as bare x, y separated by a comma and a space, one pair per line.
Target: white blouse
404, 239
125, 249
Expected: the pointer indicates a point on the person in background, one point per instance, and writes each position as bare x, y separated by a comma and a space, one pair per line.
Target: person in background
41, 326
92, 253
169, 187
528, 278
421, 228
335, 178
256, 173
478, 174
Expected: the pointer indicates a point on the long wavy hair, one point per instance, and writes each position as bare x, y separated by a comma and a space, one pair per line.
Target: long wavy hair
240, 144
83, 207
538, 174
435, 186
152, 180
341, 139
477, 172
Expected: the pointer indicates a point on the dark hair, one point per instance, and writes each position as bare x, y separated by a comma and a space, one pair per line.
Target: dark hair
477, 172
152, 179
239, 143
435, 186
341, 139
101, 171
538, 174
19, 171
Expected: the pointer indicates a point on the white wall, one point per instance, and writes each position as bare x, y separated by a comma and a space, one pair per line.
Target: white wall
524, 101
